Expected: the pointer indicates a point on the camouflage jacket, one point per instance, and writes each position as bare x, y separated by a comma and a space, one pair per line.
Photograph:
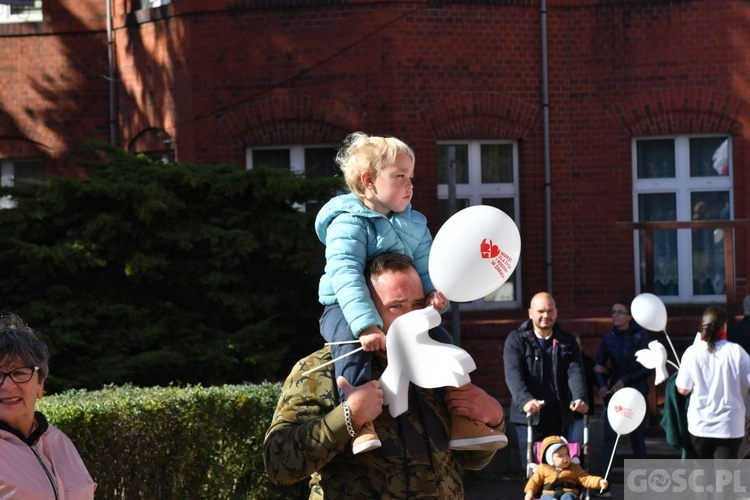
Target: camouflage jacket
308, 438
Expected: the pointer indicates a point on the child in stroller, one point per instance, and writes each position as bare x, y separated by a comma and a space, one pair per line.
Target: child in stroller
557, 476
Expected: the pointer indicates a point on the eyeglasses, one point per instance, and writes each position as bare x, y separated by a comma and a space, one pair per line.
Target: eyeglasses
19, 375
619, 312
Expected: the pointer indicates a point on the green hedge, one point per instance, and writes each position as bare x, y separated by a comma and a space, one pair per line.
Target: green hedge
170, 442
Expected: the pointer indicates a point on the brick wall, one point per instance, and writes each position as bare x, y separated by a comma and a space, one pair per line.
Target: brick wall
218, 76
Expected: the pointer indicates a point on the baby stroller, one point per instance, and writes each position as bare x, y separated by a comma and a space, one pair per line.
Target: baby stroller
534, 451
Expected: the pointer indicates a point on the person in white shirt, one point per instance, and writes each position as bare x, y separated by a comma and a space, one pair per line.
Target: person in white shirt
716, 375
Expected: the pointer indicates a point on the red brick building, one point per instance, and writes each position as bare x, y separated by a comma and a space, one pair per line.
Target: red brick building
573, 116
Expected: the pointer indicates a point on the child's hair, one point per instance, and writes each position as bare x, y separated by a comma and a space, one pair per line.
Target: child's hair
363, 153
714, 319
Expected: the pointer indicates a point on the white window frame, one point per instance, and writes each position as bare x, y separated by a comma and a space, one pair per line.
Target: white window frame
475, 191
682, 185
296, 157
28, 15
152, 4
8, 179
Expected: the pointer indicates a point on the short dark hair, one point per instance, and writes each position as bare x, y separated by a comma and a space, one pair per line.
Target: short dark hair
393, 262
19, 341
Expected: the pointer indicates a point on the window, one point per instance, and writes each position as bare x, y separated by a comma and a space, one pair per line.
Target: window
683, 178
13, 172
20, 11
165, 156
486, 173
150, 4
312, 161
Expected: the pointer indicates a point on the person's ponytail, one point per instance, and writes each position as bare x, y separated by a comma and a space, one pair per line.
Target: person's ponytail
714, 319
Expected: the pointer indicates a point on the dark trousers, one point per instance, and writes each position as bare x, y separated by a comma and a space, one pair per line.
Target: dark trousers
726, 448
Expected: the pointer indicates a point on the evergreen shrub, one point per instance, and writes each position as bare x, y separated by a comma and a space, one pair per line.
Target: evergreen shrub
172, 442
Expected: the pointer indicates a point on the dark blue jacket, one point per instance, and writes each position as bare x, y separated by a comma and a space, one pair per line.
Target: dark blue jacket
617, 351
523, 371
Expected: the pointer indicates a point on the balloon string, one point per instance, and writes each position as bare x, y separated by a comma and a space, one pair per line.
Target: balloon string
673, 349
331, 361
610, 459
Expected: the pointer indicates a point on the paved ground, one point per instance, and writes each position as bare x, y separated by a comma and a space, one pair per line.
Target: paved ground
502, 479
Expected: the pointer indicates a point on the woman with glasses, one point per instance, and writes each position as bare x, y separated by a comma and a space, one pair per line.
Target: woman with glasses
615, 367
37, 461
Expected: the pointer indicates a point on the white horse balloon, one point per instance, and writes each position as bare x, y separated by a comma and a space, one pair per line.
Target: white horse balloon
414, 356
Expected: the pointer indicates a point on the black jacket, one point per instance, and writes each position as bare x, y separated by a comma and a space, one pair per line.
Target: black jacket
523, 371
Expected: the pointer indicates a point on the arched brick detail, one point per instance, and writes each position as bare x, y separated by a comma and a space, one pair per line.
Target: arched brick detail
151, 139
291, 120
680, 111
17, 147
481, 116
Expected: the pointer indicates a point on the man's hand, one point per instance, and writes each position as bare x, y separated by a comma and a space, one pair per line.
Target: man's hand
579, 405
365, 401
372, 339
533, 406
471, 401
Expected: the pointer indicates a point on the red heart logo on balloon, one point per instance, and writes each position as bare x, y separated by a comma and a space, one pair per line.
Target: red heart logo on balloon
488, 249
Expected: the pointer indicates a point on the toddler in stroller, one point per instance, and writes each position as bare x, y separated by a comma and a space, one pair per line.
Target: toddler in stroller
557, 476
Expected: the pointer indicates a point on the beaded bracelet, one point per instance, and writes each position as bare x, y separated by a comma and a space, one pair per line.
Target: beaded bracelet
348, 419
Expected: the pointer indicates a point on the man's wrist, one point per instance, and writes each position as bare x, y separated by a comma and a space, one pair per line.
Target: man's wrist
348, 420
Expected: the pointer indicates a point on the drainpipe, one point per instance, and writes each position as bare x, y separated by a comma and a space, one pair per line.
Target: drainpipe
113, 136
455, 308
547, 184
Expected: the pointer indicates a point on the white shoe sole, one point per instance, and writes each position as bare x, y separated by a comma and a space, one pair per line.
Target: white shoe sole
366, 446
487, 443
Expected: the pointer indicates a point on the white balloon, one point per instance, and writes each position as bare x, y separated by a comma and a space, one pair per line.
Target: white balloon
649, 311
626, 410
474, 253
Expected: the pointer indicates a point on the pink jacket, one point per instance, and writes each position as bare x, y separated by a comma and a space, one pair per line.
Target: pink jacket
24, 469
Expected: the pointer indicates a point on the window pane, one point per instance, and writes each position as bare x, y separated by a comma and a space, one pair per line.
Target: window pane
21, 11
457, 155
656, 158
708, 244
660, 207
507, 291
504, 204
709, 156
461, 203
497, 163
29, 172
320, 162
271, 158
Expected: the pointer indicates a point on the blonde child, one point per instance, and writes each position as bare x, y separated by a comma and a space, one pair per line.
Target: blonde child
376, 217
557, 476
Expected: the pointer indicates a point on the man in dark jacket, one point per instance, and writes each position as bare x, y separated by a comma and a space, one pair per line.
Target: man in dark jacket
739, 332
544, 372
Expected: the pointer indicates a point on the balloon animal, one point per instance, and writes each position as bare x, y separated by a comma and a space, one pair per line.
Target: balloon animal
655, 357
414, 356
